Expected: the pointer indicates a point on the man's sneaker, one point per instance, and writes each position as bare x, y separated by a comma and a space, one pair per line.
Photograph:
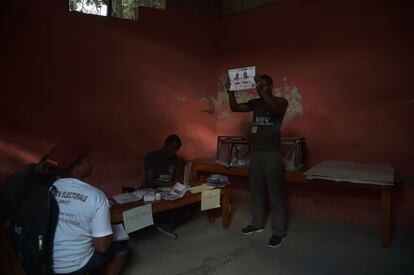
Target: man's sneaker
167, 231
275, 241
250, 229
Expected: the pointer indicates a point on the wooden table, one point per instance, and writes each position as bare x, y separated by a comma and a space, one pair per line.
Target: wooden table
212, 167
159, 206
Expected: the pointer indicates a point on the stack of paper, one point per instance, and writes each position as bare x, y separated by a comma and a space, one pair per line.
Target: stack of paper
218, 180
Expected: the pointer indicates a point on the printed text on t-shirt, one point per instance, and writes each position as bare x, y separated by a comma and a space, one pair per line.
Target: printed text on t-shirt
263, 121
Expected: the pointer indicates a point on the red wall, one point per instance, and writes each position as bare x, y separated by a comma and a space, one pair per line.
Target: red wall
352, 64
120, 85
125, 85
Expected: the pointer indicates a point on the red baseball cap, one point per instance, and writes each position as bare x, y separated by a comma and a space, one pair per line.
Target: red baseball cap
64, 155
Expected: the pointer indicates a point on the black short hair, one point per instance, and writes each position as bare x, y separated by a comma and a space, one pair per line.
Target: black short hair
268, 79
173, 138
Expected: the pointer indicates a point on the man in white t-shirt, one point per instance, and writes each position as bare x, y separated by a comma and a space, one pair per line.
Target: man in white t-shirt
83, 237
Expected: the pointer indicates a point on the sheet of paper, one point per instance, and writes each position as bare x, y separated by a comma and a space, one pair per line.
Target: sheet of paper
200, 188
168, 196
137, 218
242, 78
179, 190
210, 199
176, 192
119, 233
352, 172
125, 198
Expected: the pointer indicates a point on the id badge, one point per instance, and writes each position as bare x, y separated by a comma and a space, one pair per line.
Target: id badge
254, 129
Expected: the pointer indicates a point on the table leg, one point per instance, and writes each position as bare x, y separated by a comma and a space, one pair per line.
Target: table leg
386, 217
225, 210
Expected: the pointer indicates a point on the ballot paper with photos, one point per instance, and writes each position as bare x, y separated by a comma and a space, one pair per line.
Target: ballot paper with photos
131, 197
242, 78
177, 191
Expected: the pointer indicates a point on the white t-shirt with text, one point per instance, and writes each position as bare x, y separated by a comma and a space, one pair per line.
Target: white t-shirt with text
83, 215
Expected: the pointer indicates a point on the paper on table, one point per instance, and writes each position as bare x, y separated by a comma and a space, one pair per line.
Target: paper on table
141, 192
200, 188
131, 197
119, 233
137, 218
352, 172
125, 198
210, 199
176, 192
242, 79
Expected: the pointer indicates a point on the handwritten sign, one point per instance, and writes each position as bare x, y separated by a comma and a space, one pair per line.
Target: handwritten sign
210, 199
137, 218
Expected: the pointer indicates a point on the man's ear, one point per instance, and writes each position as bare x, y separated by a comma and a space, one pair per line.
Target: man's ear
76, 170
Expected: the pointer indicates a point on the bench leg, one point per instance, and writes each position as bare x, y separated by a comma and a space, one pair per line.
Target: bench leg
386, 217
225, 210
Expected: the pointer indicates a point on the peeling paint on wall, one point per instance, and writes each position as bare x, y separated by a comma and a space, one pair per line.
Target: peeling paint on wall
287, 90
294, 97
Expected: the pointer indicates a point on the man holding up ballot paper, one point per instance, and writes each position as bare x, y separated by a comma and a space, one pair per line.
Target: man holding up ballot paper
266, 166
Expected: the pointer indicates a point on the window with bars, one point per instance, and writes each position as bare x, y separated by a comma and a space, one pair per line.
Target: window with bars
126, 9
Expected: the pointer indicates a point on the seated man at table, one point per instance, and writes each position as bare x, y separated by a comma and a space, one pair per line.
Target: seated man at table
163, 169
83, 238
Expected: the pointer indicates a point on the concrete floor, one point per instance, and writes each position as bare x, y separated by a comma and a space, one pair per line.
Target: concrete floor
311, 247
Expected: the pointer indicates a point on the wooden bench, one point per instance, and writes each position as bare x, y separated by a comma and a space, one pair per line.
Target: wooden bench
212, 167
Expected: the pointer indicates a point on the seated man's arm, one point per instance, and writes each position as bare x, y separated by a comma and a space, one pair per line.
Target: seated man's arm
179, 171
101, 229
101, 244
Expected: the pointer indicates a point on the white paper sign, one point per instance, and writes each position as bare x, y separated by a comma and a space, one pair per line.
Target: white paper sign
137, 218
210, 199
242, 79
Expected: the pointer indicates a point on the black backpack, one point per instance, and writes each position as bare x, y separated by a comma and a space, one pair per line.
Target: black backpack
32, 229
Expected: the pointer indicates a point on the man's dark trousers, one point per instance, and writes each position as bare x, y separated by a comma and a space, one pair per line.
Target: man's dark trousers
266, 170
